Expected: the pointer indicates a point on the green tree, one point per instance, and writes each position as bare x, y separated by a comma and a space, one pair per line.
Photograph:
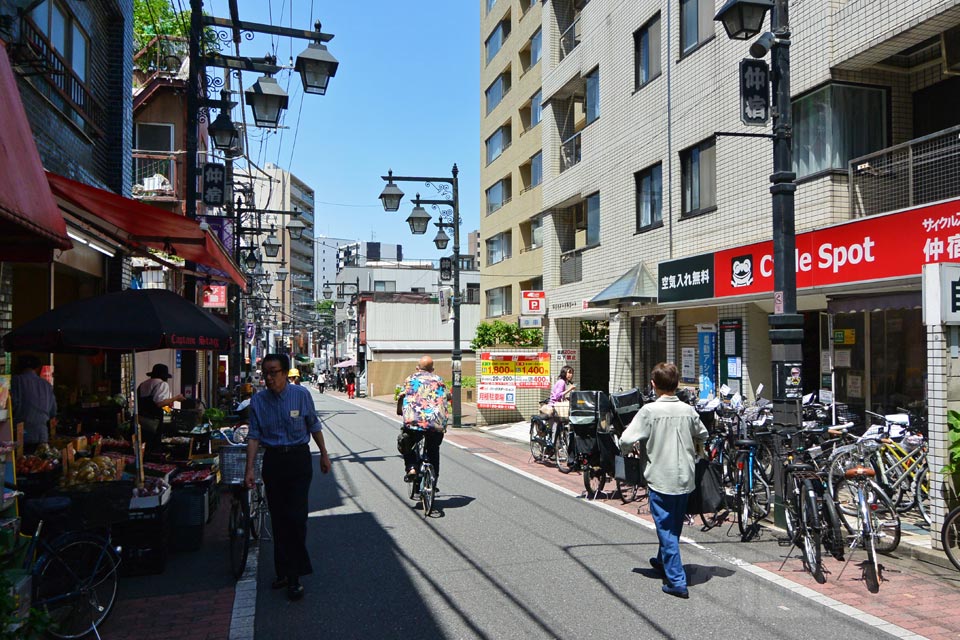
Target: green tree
153, 18
498, 332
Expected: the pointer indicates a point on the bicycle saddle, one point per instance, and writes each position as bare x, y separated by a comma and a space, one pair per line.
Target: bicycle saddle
859, 470
746, 443
799, 466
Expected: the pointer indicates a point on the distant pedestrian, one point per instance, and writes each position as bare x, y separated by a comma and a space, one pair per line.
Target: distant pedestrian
670, 430
282, 421
321, 381
351, 383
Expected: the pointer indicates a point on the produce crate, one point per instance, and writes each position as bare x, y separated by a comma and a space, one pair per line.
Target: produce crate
143, 540
189, 506
98, 504
34, 485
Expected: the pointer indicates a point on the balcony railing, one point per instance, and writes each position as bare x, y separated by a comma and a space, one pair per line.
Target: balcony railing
155, 175
570, 38
570, 152
63, 81
571, 267
906, 175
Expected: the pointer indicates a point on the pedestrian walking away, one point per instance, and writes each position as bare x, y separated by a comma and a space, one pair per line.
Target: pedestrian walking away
424, 403
282, 421
321, 381
670, 430
33, 401
351, 383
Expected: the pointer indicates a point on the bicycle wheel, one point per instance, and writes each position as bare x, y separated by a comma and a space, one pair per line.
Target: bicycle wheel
900, 491
871, 570
885, 521
239, 530
594, 480
764, 460
743, 504
832, 538
757, 506
414, 488
561, 446
950, 536
427, 489
258, 508
810, 525
921, 492
76, 585
847, 502
537, 438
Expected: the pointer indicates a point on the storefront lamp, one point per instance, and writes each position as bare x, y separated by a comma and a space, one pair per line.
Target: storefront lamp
743, 19
295, 228
441, 240
418, 220
391, 195
224, 134
316, 66
266, 100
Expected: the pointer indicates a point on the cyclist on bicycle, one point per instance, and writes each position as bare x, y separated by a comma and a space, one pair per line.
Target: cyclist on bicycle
424, 403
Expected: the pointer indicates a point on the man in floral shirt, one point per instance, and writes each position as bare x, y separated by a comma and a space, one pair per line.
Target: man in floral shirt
424, 405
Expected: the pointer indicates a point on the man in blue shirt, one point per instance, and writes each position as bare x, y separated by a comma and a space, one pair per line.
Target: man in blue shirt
282, 421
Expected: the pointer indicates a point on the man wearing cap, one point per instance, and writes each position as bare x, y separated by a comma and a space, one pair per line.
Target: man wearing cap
152, 396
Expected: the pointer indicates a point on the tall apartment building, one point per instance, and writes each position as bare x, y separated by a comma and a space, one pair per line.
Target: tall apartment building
510, 53
659, 221
280, 190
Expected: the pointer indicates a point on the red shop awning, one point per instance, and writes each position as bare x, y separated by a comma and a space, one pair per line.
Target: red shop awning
31, 225
142, 226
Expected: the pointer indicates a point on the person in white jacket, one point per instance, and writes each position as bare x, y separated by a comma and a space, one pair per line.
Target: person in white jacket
670, 430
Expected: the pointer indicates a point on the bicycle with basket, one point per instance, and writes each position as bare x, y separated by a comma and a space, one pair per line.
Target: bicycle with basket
247, 506
592, 423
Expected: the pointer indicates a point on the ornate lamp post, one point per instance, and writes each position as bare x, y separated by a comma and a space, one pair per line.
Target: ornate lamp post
419, 221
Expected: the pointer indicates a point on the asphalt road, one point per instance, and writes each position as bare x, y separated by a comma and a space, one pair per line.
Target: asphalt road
508, 557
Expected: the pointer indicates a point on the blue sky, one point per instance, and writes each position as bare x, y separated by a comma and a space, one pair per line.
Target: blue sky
406, 97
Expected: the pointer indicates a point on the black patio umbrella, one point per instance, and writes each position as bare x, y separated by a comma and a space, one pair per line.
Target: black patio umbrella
131, 320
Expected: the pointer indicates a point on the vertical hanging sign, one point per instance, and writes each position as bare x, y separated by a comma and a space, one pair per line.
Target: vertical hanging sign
707, 341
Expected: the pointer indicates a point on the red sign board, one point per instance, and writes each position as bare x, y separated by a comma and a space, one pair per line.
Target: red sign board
215, 296
871, 248
533, 303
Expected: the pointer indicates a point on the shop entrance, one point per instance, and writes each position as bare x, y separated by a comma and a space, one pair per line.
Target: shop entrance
594, 355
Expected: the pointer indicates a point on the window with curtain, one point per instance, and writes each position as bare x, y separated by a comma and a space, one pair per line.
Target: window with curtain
593, 219
496, 143
498, 248
536, 232
696, 23
698, 177
835, 124
499, 302
649, 197
646, 53
536, 47
592, 106
498, 195
497, 38
536, 108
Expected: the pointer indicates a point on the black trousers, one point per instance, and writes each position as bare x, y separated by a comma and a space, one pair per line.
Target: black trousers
432, 445
286, 480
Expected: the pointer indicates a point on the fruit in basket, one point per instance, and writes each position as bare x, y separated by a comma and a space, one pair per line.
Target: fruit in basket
47, 452
34, 464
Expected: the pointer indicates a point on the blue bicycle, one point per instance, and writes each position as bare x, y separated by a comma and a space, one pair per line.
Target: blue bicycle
751, 489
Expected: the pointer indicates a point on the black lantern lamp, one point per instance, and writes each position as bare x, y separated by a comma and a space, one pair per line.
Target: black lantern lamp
295, 228
419, 219
743, 19
266, 100
442, 239
327, 292
251, 260
282, 274
391, 195
271, 246
224, 134
316, 66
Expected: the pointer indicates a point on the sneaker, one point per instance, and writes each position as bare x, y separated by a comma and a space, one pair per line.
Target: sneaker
294, 591
411, 475
279, 583
676, 592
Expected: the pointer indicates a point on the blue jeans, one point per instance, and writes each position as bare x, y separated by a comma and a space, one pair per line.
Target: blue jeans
668, 513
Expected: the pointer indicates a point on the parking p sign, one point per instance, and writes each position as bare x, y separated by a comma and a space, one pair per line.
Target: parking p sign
533, 303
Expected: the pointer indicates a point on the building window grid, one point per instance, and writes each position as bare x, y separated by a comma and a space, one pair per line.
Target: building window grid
698, 177
497, 90
498, 195
499, 302
497, 143
499, 248
500, 34
646, 52
649, 197
696, 24
592, 98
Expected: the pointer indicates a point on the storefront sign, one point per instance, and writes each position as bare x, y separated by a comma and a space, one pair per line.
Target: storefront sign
214, 184
844, 336
872, 248
687, 365
567, 355
215, 296
941, 294
250, 331
533, 372
499, 370
496, 396
533, 303
731, 349
707, 341
754, 92
530, 322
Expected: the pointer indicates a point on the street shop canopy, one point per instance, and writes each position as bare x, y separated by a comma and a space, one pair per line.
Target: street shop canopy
141, 226
881, 302
636, 285
346, 363
31, 225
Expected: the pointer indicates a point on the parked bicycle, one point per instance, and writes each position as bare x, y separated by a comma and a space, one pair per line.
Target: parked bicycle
424, 486
542, 434
752, 490
71, 557
247, 506
950, 532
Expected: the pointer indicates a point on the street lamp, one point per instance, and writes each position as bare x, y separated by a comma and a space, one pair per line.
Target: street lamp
418, 221
224, 134
282, 273
327, 292
251, 261
316, 66
743, 19
295, 228
271, 246
266, 100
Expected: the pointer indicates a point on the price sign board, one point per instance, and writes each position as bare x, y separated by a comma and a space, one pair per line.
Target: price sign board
497, 369
533, 372
496, 396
